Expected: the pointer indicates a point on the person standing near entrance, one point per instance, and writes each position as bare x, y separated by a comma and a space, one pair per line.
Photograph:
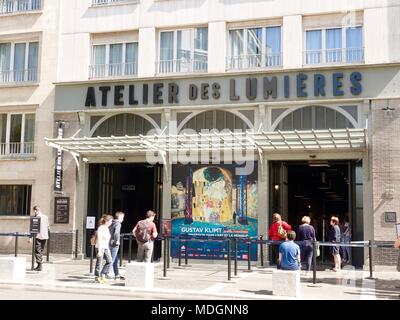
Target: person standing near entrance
277, 232
346, 239
115, 235
145, 232
41, 237
306, 234
289, 253
103, 249
334, 236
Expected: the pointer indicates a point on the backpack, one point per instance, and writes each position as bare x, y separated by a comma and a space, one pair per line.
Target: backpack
142, 233
282, 233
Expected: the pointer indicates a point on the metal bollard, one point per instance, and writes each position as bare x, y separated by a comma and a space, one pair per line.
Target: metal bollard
180, 252
33, 251
261, 251
314, 248
121, 249
91, 258
48, 248
130, 248
168, 251
186, 252
248, 255
76, 243
229, 260
370, 258
16, 245
235, 245
165, 257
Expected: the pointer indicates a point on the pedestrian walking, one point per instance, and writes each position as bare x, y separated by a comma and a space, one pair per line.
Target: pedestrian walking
41, 237
115, 235
103, 250
145, 232
334, 237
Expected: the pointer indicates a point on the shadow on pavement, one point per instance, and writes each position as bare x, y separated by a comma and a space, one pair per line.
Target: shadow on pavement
263, 292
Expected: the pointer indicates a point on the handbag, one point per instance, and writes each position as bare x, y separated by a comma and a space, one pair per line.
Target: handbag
282, 233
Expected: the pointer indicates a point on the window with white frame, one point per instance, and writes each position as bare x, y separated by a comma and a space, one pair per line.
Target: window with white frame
183, 50
10, 6
334, 45
254, 47
114, 60
17, 133
19, 62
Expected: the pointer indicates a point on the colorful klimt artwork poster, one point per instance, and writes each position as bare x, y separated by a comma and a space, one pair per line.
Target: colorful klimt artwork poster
213, 201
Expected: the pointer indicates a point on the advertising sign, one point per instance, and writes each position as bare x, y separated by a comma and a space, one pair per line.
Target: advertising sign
34, 227
61, 210
58, 170
212, 201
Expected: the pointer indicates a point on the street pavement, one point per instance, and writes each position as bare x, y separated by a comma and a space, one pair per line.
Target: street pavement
65, 278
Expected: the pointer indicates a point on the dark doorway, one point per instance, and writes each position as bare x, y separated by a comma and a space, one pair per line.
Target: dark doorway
319, 190
131, 188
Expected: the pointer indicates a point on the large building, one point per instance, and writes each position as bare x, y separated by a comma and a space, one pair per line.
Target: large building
214, 113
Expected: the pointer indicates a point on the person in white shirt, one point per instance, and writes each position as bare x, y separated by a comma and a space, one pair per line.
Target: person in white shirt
41, 237
103, 250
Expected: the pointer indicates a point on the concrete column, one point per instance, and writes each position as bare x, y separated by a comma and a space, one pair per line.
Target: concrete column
147, 52
263, 200
292, 46
216, 46
81, 198
166, 196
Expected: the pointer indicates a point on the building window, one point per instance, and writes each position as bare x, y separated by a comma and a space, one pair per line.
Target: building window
110, 2
335, 45
15, 200
114, 60
19, 62
10, 6
123, 124
17, 134
254, 48
183, 51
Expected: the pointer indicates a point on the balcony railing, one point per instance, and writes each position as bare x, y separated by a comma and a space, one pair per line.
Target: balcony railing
250, 61
182, 65
332, 56
112, 70
18, 76
10, 6
96, 3
17, 148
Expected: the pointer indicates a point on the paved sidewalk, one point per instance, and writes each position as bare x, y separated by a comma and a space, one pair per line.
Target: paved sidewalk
210, 282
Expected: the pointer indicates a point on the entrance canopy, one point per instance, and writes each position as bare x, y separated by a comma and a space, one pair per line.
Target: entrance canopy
314, 140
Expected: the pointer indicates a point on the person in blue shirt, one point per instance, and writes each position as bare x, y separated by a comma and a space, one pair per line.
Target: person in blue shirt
289, 253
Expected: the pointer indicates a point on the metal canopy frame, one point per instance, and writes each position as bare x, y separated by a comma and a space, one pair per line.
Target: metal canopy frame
330, 139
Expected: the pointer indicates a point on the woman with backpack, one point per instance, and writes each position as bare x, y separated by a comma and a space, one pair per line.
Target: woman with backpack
277, 232
145, 232
103, 250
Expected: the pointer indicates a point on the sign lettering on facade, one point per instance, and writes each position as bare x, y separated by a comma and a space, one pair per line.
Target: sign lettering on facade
61, 210
58, 174
264, 88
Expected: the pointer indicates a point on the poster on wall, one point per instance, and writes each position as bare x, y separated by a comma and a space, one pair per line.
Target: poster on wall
213, 201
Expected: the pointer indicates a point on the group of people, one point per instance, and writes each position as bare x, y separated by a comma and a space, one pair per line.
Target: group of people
289, 254
107, 243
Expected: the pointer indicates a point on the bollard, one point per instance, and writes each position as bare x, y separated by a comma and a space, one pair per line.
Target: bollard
130, 248
248, 255
180, 252
235, 250
165, 258
33, 251
314, 248
76, 243
121, 249
186, 252
261, 251
48, 249
229, 260
16, 245
370, 259
91, 258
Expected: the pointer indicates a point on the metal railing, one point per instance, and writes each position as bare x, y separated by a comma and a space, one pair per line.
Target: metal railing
251, 61
105, 2
10, 6
332, 56
182, 65
17, 148
112, 70
18, 76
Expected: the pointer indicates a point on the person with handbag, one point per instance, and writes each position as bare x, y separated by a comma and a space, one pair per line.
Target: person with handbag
306, 234
277, 232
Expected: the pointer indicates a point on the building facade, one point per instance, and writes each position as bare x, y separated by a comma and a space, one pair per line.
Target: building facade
217, 114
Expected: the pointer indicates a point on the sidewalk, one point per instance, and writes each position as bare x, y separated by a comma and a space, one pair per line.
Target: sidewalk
210, 281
